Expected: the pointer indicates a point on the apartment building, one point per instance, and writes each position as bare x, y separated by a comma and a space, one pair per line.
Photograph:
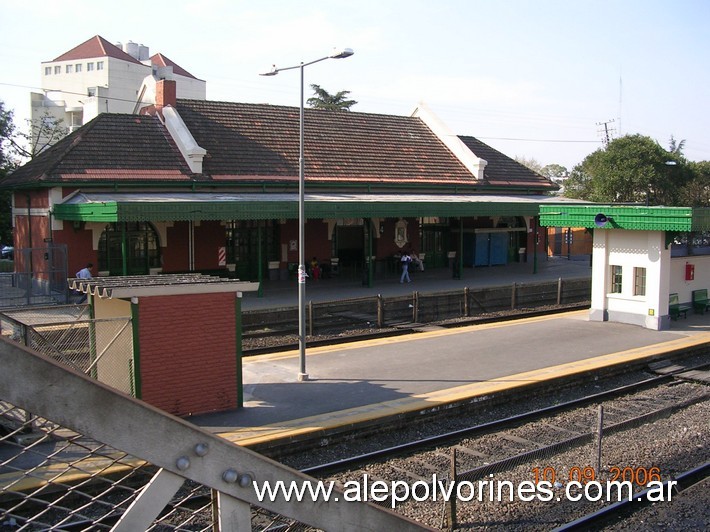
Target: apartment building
100, 77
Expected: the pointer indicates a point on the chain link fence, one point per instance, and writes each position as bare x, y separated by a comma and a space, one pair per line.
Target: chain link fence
76, 455
100, 348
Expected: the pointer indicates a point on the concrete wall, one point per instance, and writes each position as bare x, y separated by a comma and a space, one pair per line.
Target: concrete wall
677, 282
631, 250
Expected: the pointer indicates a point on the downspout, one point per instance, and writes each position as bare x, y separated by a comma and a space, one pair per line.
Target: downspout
238, 348
28, 291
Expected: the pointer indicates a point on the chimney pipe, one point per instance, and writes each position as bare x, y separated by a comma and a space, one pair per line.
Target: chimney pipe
165, 93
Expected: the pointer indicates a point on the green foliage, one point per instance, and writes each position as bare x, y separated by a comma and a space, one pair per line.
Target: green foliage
530, 163
333, 102
631, 169
7, 132
697, 192
554, 170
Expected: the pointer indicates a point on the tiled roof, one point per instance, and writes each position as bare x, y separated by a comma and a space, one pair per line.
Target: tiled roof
161, 60
115, 147
257, 143
252, 141
97, 46
504, 171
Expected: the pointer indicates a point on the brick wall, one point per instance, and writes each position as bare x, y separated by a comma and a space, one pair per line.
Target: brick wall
188, 352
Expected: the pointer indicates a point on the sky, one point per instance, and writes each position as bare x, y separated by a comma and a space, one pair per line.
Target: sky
538, 79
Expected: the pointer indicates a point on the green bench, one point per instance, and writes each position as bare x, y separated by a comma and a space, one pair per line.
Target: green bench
675, 309
700, 301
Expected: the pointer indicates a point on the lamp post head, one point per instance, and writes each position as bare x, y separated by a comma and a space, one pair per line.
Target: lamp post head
271, 72
341, 53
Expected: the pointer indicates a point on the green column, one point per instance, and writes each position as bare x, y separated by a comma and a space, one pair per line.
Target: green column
124, 249
370, 262
260, 265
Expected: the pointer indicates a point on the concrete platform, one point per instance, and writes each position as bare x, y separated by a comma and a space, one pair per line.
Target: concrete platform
364, 381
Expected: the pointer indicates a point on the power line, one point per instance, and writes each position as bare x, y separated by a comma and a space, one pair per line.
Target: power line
538, 140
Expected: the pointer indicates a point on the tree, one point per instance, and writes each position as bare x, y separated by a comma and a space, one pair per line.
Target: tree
531, 163
7, 163
332, 102
676, 147
41, 133
696, 192
554, 171
630, 169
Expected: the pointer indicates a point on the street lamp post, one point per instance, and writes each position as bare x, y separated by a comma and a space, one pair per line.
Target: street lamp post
336, 54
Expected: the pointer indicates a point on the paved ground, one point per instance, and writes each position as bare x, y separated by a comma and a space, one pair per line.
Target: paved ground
362, 380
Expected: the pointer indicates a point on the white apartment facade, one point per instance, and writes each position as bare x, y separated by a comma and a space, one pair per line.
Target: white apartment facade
100, 77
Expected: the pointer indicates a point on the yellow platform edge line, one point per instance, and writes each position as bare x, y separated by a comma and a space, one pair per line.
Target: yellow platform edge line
342, 418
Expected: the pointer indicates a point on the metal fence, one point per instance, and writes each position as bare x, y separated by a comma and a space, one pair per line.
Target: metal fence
100, 348
379, 311
40, 278
77, 455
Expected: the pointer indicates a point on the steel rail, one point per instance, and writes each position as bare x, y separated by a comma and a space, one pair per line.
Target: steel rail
636, 502
339, 465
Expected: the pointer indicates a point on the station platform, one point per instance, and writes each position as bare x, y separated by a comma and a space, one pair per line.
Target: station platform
284, 293
369, 381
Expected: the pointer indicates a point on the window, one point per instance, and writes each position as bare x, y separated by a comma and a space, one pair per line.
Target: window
99, 65
616, 279
89, 67
47, 71
57, 69
77, 68
69, 69
639, 281
140, 242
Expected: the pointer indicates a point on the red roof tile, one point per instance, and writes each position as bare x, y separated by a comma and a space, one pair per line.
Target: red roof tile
246, 140
97, 46
161, 60
116, 147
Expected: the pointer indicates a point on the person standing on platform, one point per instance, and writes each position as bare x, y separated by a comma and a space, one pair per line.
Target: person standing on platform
315, 269
84, 273
406, 260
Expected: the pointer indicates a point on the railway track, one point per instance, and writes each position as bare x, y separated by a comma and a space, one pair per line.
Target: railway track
556, 444
556, 438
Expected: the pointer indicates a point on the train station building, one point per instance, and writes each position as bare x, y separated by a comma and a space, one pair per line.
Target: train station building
203, 186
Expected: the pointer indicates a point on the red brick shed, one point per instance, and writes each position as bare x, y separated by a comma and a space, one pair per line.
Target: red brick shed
186, 337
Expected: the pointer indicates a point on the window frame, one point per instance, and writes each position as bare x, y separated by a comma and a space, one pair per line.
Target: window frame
616, 279
640, 281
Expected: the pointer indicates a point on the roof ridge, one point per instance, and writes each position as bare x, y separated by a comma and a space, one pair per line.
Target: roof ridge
96, 46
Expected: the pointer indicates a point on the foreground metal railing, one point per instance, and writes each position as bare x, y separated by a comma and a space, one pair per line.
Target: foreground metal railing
76, 454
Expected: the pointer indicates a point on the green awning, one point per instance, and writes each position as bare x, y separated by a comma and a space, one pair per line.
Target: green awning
605, 216
134, 207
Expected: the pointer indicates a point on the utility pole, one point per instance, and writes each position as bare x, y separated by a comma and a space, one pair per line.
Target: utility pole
606, 132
